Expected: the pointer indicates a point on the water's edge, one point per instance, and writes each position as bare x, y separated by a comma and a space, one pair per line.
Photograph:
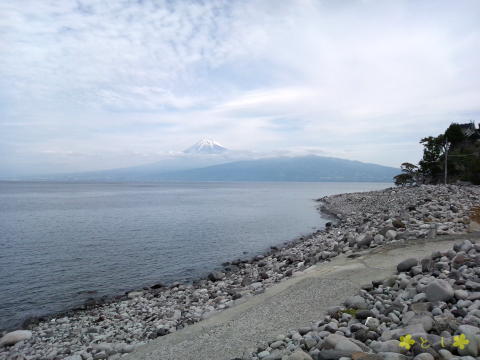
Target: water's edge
94, 302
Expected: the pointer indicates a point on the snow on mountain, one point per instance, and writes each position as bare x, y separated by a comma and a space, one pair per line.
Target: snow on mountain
206, 146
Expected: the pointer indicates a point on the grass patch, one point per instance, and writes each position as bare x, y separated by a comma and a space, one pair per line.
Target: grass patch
352, 312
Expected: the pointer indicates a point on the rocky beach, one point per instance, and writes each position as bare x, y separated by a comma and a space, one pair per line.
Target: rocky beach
435, 296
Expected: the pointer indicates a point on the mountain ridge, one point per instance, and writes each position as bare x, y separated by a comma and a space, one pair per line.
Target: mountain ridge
304, 168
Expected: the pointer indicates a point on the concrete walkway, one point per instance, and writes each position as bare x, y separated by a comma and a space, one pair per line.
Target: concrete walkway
290, 304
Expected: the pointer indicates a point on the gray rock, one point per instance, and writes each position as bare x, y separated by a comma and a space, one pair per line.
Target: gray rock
299, 355
134, 294
472, 333
461, 294
256, 285
414, 329
439, 290
390, 234
304, 330
216, 276
407, 264
372, 323
333, 310
363, 314
309, 342
472, 285
263, 354
394, 317
277, 344
277, 355
333, 355
445, 354
105, 347
100, 355
410, 318
364, 240
341, 343
393, 356
424, 356
356, 302
14, 337
331, 326
419, 297
387, 346
124, 348
420, 308
73, 357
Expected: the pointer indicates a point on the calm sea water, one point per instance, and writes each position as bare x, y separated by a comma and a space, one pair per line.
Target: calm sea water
62, 242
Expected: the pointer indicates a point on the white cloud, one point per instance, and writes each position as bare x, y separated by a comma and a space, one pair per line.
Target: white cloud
360, 79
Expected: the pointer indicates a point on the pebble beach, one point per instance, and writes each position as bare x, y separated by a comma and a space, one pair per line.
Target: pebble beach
435, 297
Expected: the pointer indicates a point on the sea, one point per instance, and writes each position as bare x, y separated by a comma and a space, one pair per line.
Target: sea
62, 243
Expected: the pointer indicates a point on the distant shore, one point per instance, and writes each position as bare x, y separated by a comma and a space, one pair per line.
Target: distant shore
363, 220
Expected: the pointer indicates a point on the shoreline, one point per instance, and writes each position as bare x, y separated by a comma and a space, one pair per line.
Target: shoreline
165, 310
51, 296
93, 302
261, 321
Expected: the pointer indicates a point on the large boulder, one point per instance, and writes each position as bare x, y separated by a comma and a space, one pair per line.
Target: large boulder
439, 290
356, 302
407, 264
299, 355
387, 346
73, 357
393, 356
391, 234
337, 354
414, 330
342, 343
424, 356
216, 276
13, 337
472, 333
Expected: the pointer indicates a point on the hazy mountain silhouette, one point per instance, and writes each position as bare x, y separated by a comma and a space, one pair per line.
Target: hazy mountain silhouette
305, 168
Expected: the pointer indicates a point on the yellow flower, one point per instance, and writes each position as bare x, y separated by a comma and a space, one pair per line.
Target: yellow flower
406, 341
460, 341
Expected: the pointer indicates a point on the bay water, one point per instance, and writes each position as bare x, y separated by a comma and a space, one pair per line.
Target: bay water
62, 243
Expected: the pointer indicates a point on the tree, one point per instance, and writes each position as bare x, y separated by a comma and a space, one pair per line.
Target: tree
433, 149
451, 156
454, 134
409, 168
409, 175
403, 179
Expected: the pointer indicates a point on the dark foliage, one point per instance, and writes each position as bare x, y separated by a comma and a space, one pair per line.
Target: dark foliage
460, 143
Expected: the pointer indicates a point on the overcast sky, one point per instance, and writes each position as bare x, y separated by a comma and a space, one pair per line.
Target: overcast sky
100, 84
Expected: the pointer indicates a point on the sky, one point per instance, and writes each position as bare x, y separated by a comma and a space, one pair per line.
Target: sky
88, 85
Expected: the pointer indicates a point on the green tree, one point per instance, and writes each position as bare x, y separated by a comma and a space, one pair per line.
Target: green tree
454, 134
409, 175
403, 179
433, 149
409, 168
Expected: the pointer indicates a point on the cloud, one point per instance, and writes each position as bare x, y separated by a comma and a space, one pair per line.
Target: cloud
359, 79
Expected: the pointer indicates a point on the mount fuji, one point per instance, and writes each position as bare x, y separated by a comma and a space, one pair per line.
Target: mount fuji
208, 160
206, 146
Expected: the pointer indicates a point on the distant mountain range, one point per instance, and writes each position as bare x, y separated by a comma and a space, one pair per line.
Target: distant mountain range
304, 168
207, 160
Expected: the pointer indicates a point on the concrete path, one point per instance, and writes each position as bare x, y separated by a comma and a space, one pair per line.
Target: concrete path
288, 305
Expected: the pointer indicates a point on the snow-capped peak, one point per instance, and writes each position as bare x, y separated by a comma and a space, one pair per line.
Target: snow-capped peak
206, 146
